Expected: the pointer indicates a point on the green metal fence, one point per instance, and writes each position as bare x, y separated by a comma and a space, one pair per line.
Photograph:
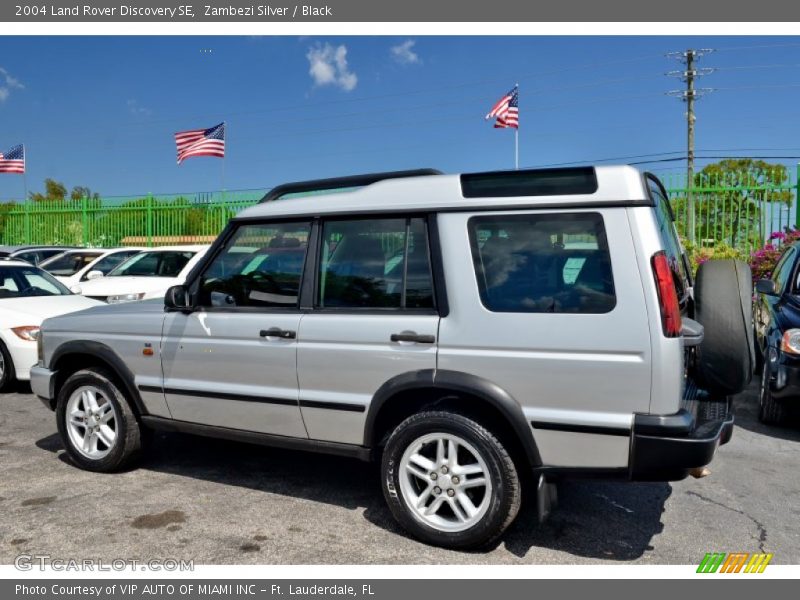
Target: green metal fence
134, 221
739, 210
736, 209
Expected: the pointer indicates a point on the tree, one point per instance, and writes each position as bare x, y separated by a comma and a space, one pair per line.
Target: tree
79, 192
735, 202
53, 190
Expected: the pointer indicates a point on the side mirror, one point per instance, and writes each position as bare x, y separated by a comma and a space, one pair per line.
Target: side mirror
766, 286
177, 298
94, 275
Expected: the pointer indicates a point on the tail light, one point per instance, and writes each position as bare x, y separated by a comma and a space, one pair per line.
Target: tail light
667, 296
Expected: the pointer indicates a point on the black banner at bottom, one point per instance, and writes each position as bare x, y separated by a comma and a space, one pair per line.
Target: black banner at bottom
386, 589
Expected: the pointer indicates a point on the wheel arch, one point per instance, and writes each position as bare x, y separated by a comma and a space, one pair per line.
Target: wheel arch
405, 394
75, 355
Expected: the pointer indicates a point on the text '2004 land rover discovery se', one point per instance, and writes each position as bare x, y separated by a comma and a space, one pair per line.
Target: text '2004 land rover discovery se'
464, 330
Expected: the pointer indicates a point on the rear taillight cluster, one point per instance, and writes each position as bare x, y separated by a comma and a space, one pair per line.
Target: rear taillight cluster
667, 296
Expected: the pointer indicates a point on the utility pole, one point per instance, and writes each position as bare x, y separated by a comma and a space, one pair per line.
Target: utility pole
689, 95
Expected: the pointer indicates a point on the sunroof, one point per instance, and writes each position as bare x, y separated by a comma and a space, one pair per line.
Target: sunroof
538, 182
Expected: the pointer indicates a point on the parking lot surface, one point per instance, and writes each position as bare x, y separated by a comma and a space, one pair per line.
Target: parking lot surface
220, 502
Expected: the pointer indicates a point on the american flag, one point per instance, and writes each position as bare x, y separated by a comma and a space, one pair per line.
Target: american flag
13, 161
201, 142
506, 111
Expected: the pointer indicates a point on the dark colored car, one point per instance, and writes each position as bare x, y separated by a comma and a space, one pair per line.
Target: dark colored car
776, 319
32, 254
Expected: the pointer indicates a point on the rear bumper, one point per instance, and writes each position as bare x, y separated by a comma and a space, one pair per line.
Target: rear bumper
667, 447
43, 385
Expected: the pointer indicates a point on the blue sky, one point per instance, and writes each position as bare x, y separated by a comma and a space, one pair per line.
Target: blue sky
100, 111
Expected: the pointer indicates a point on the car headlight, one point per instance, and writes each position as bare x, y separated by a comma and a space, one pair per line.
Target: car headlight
29, 333
125, 298
791, 341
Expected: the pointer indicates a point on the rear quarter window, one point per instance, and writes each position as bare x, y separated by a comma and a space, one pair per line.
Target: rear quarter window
543, 263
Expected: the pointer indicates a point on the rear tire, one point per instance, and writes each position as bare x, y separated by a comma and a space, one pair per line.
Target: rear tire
770, 411
97, 425
723, 305
8, 376
449, 481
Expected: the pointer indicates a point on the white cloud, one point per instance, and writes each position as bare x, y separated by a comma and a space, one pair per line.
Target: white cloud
137, 110
404, 53
8, 83
327, 65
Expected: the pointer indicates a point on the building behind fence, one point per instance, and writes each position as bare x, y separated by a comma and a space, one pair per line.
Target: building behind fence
739, 210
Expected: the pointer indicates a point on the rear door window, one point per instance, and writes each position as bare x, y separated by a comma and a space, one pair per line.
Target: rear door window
375, 264
543, 263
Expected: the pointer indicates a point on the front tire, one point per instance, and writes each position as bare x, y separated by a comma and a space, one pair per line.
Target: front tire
8, 375
449, 481
96, 423
770, 411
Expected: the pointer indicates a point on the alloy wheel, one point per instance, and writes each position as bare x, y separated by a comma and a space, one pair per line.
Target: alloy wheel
445, 482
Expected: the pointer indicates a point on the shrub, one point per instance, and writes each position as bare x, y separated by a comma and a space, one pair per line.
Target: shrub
763, 260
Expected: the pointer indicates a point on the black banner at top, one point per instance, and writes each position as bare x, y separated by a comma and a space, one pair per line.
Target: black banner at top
261, 11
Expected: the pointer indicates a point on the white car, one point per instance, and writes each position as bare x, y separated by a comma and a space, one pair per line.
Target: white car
75, 266
28, 295
145, 275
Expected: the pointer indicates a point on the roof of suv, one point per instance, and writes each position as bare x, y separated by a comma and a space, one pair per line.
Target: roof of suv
594, 186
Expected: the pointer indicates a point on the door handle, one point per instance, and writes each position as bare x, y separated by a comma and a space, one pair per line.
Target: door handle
413, 337
284, 334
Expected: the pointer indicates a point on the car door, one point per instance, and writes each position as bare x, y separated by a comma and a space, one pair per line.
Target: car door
373, 317
232, 361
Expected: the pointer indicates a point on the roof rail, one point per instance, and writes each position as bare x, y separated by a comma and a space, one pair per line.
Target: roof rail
334, 183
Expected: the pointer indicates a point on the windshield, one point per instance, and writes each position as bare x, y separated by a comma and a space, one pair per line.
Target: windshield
68, 263
156, 263
22, 282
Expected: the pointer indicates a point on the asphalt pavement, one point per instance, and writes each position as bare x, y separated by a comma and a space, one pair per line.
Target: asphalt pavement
218, 502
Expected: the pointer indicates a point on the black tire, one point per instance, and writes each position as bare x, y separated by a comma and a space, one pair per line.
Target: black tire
759, 355
127, 445
504, 499
770, 411
8, 377
723, 305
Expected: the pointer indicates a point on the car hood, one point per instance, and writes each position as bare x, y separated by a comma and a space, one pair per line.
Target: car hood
38, 308
109, 286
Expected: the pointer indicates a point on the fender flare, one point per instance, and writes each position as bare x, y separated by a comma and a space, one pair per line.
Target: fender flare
108, 356
457, 381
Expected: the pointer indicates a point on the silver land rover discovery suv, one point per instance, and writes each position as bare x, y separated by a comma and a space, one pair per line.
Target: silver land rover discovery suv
470, 332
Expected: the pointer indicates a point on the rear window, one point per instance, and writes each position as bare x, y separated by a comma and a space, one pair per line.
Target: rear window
669, 238
159, 263
543, 263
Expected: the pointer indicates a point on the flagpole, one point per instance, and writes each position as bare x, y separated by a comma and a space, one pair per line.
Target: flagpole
25, 173
516, 136
225, 152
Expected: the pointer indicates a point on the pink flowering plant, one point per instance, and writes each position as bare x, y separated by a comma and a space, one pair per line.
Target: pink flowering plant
763, 260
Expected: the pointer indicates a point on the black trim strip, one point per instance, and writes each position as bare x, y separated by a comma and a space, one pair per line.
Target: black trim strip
596, 429
333, 405
264, 439
223, 396
263, 399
